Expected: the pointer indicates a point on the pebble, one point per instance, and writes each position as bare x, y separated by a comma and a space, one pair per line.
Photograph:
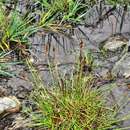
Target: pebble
113, 43
9, 105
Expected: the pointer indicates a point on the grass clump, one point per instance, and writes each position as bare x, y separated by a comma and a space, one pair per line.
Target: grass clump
70, 104
61, 11
15, 29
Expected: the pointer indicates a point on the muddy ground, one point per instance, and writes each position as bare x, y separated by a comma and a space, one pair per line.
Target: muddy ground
66, 50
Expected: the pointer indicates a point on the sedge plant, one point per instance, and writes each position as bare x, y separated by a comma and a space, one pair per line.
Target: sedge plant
56, 12
71, 103
15, 29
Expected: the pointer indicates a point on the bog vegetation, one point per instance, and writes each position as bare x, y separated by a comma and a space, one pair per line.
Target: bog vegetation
74, 102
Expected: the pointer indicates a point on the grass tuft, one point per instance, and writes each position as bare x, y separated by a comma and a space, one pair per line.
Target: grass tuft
70, 104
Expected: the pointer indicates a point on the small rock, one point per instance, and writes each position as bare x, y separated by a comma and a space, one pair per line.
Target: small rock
3, 91
9, 105
22, 95
122, 67
114, 43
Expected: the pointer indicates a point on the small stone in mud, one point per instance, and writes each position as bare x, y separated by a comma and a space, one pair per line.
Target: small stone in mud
122, 67
9, 105
3, 91
113, 43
